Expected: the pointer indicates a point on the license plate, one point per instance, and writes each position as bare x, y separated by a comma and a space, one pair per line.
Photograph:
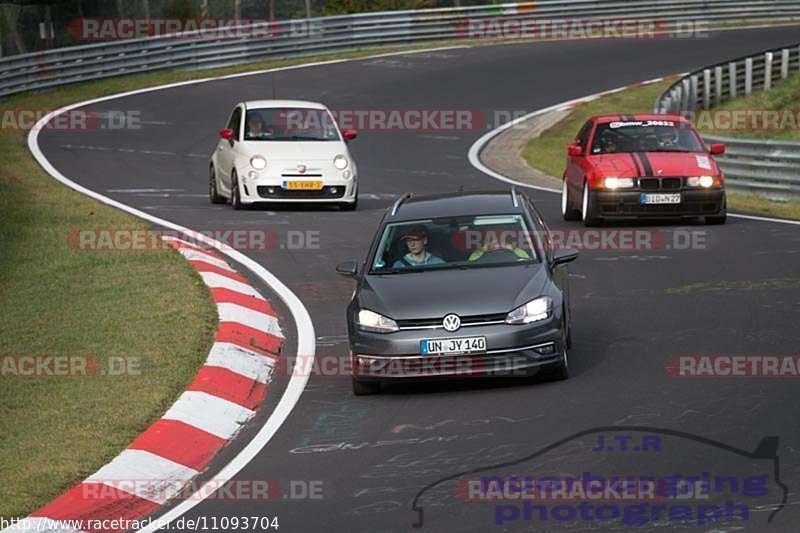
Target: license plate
661, 198
453, 346
302, 185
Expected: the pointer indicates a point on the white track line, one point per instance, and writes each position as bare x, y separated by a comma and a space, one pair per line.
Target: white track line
306, 337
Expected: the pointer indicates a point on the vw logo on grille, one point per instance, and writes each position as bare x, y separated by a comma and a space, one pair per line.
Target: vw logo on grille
451, 322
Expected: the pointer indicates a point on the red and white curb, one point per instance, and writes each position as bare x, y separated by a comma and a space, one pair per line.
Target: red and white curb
169, 454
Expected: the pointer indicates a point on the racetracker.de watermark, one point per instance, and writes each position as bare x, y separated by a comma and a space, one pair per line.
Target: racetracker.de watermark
68, 366
733, 366
496, 28
404, 366
610, 240
745, 119
71, 120
136, 240
213, 489
115, 29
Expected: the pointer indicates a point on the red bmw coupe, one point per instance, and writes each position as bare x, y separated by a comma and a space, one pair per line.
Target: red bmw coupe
635, 166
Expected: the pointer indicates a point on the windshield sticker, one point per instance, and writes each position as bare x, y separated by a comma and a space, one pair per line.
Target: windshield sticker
668, 123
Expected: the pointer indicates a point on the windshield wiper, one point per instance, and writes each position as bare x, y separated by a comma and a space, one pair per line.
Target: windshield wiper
305, 138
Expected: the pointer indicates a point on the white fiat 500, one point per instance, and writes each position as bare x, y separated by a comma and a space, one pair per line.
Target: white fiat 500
283, 151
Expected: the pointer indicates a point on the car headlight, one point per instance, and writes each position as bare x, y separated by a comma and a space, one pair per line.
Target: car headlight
533, 311
371, 321
340, 162
618, 183
700, 181
258, 162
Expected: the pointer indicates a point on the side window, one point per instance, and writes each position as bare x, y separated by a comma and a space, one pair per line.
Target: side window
583, 135
235, 122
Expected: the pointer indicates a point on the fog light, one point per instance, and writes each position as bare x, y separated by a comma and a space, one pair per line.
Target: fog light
365, 360
332, 190
547, 349
270, 190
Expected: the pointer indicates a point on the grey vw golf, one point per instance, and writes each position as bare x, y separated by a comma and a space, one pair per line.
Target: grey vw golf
463, 284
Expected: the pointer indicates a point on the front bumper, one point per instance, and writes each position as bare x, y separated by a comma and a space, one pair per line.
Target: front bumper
511, 350
270, 189
628, 203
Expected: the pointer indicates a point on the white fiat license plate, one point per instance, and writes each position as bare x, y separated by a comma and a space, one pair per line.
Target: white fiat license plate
453, 346
661, 198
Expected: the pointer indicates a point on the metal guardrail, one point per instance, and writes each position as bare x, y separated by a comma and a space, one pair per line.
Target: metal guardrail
352, 32
770, 169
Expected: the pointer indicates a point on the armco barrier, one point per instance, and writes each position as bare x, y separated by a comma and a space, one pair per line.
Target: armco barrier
770, 169
351, 32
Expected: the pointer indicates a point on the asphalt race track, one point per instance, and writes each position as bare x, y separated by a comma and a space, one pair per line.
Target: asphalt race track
631, 310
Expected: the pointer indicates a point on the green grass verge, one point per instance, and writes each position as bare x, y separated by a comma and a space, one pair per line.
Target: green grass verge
784, 96
548, 152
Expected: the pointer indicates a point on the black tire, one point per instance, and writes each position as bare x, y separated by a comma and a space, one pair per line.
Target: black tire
213, 194
568, 209
568, 338
236, 199
364, 388
346, 206
588, 209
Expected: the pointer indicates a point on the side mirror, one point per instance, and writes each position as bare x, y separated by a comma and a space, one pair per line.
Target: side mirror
717, 148
227, 133
574, 150
348, 268
349, 135
563, 256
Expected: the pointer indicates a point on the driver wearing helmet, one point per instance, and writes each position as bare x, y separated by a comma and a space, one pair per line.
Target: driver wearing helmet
608, 144
667, 138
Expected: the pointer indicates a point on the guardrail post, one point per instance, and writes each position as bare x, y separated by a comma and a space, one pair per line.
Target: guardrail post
767, 70
717, 85
685, 88
675, 101
748, 76
732, 79
784, 63
706, 88
695, 82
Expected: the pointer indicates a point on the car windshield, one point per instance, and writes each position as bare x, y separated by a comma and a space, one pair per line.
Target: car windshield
462, 242
289, 124
645, 136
